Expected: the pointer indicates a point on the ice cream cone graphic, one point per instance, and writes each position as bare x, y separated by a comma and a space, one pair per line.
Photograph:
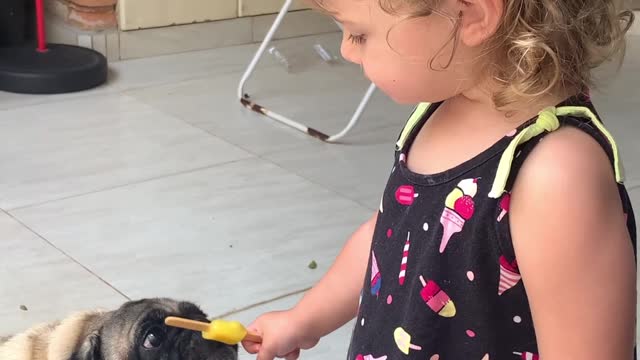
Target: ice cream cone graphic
403, 341
469, 186
436, 299
509, 275
459, 207
452, 223
376, 277
370, 357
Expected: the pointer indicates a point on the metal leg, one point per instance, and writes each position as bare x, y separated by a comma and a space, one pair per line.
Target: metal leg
267, 39
356, 116
283, 119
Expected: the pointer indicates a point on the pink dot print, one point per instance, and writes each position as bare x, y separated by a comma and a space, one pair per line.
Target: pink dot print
471, 334
435, 357
517, 319
471, 276
389, 233
389, 299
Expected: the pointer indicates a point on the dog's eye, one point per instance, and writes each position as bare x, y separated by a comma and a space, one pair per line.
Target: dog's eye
154, 338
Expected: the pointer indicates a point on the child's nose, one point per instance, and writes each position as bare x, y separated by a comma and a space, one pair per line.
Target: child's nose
350, 52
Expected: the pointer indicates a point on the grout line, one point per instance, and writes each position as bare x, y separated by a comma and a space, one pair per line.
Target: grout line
289, 171
263, 158
252, 306
120, 186
67, 255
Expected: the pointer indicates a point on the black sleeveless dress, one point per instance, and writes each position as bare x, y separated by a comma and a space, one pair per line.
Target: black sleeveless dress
443, 280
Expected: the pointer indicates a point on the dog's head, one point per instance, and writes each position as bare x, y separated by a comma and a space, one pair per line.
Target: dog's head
136, 331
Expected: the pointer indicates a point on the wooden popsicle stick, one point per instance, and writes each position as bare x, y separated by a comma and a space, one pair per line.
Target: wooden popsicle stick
253, 337
186, 324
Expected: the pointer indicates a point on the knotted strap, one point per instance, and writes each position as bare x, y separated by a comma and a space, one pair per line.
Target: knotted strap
548, 121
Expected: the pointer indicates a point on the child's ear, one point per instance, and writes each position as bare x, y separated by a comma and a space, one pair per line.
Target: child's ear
479, 20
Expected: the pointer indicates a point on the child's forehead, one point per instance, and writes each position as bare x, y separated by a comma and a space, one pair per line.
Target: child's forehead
338, 8
349, 11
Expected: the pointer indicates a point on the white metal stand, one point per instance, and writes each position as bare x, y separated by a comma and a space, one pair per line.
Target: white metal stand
283, 119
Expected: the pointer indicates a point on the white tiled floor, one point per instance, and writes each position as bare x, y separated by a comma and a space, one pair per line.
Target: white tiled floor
161, 184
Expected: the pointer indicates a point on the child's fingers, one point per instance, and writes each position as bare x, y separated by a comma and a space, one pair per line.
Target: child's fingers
266, 354
251, 347
294, 355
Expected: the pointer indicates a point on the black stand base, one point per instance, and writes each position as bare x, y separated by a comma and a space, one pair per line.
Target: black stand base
61, 69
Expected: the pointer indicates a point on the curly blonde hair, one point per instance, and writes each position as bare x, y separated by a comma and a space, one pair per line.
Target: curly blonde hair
543, 46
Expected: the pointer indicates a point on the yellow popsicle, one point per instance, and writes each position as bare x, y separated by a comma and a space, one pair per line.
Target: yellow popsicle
227, 332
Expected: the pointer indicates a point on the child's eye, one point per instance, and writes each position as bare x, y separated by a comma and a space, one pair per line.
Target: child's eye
357, 39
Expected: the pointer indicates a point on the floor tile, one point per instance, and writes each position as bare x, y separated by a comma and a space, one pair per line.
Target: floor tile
317, 94
226, 237
45, 281
152, 71
52, 151
332, 346
356, 169
357, 172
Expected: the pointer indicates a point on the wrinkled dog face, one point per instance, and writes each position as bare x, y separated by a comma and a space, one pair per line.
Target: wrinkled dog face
137, 331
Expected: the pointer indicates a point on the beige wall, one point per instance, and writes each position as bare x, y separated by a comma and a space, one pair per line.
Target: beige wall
141, 14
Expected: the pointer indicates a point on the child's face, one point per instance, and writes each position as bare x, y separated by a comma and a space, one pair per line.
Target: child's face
395, 51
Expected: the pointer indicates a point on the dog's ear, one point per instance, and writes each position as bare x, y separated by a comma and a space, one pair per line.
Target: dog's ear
90, 348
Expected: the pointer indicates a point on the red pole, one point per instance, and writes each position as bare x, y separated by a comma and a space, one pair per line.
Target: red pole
42, 42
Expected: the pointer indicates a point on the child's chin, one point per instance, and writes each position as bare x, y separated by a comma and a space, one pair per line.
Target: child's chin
406, 100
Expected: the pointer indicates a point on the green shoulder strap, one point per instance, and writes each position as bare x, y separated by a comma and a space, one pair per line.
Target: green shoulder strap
417, 114
548, 121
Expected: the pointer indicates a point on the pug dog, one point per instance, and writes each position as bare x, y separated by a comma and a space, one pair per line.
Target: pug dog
135, 331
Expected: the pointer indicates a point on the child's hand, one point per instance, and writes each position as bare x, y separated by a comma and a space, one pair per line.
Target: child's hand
283, 335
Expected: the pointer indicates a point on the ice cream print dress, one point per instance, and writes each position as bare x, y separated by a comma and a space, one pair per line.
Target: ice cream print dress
443, 280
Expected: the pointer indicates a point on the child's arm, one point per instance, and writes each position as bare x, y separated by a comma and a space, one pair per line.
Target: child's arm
334, 300
574, 251
330, 304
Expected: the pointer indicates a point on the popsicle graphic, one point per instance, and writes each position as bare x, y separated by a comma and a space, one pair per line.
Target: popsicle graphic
459, 207
370, 357
376, 277
403, 341
405, 259
509, 275
436, 299
504, 206
527, 356
406, 194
